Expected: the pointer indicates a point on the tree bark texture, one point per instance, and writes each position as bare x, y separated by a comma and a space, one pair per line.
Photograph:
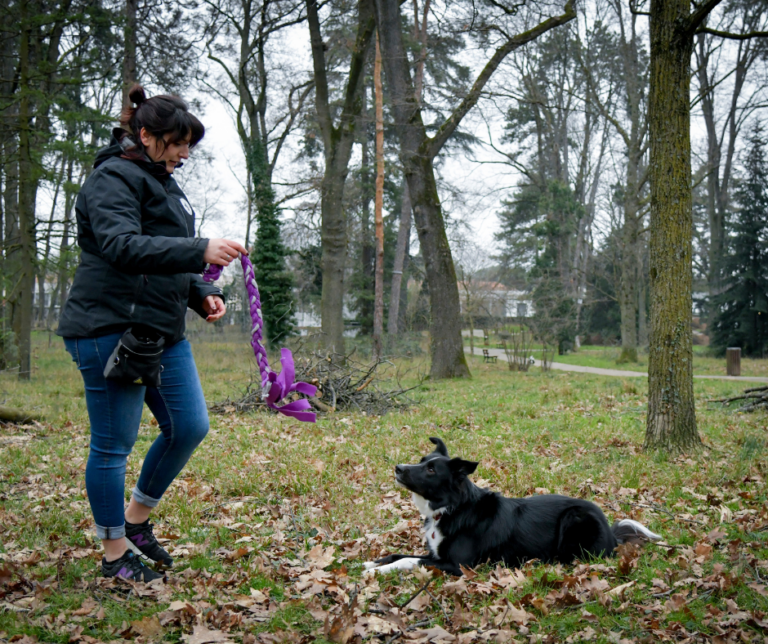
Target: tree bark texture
447, 351
367, 248
27, 194
129, 48
337, 147
378, 298
671, 421
398, 271
398, 299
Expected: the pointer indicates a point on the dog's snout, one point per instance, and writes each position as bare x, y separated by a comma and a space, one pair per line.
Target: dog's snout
399, 470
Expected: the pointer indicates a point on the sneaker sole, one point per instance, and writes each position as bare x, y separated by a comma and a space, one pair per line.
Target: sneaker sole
135, 549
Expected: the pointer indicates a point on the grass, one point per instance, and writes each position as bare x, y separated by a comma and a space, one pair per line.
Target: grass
264, 492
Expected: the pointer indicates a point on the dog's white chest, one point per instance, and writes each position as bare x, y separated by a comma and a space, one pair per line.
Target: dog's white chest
432, 534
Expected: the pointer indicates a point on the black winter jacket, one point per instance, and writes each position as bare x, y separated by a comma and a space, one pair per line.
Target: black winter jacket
140, 262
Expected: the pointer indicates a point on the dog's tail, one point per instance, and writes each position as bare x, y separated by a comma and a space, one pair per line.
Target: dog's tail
629, 531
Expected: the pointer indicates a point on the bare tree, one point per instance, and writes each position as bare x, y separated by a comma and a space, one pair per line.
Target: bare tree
337, 148
418, 151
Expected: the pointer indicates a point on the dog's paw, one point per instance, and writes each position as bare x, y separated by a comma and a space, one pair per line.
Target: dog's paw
368, 565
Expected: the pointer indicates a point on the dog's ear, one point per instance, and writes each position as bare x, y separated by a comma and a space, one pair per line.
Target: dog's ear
441, 448
460, 466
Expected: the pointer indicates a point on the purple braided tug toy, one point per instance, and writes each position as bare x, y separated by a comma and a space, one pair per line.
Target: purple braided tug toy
274, 387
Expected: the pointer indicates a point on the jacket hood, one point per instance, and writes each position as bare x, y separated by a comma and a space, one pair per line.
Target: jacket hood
118, 145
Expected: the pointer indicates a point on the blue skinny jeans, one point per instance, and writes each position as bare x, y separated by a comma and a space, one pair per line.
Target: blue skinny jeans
114, 410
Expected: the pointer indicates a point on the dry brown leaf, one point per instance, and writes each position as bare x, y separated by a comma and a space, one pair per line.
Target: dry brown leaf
715, 535
86, 608
456, 587
518, 615
435, 635
421, 603
619, 590
468, 572
703, 550
201, 634
675, 602
341, 628
148, 627
320, 557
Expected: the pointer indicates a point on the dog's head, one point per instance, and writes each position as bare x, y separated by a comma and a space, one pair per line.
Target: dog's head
437, 477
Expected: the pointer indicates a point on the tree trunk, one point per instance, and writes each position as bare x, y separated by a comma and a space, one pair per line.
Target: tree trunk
630, 275
27, 193
378, 306
417, 152
447, 351
671, 421
366, 247
401, 250
398, 303
333, 234
337, 147
129, 51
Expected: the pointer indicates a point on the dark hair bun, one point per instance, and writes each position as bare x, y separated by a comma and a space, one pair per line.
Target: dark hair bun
137, 94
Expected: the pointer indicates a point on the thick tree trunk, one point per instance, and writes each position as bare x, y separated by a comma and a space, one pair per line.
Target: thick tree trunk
447, 351
337, 144
27, 193
630, 275
129, 50
333, 234
417, 151
378, 299
401, 251
671, 422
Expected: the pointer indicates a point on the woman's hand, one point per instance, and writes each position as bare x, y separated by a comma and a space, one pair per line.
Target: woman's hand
222, 251
214, 306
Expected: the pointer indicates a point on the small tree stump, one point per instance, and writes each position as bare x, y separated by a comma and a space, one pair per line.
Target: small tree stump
733, 361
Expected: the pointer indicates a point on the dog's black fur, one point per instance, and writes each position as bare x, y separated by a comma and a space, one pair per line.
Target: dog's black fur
477, 526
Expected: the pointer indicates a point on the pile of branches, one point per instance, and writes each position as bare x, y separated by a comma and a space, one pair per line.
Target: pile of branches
342, 385
755, 398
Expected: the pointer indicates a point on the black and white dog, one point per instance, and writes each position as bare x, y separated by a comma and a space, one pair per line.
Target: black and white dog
467, 525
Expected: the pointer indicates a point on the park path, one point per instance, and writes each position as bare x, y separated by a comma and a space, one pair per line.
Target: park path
619, 373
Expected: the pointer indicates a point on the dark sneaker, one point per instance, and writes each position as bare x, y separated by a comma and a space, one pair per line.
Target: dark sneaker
142, 541
129, 566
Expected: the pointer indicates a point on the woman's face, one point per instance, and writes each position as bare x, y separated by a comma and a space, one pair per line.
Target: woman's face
171, 153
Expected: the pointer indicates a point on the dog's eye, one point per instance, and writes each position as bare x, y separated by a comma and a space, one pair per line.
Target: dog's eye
431, 469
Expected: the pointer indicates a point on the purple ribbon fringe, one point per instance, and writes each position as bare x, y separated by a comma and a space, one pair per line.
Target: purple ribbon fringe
275, 387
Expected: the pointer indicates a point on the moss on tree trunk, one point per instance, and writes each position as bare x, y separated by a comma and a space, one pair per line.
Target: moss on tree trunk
671, 422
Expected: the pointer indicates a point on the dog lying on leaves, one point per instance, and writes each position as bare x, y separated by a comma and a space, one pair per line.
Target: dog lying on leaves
465, 525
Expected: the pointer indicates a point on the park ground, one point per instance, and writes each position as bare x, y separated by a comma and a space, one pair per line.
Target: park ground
271, 520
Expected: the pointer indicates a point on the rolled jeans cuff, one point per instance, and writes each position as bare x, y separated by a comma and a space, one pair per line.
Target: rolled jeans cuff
142, 498
110, 533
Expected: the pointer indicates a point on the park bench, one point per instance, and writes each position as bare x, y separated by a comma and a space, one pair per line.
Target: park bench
487, 357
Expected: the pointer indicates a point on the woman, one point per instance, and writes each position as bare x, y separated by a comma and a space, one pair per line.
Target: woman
140, 268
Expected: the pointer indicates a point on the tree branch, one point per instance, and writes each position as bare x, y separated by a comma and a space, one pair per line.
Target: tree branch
452, 122
321, 78
699, 16
732, 36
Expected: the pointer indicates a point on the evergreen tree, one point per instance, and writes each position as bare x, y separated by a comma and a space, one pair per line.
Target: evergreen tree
269, 253
742, 307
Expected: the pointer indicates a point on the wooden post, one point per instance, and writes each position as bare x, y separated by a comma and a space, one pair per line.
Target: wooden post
733, 361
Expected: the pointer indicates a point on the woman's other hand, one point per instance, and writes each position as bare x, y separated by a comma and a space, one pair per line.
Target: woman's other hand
223, 251
214, 306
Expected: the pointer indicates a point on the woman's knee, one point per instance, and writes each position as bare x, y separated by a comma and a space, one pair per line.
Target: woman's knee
196, 431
